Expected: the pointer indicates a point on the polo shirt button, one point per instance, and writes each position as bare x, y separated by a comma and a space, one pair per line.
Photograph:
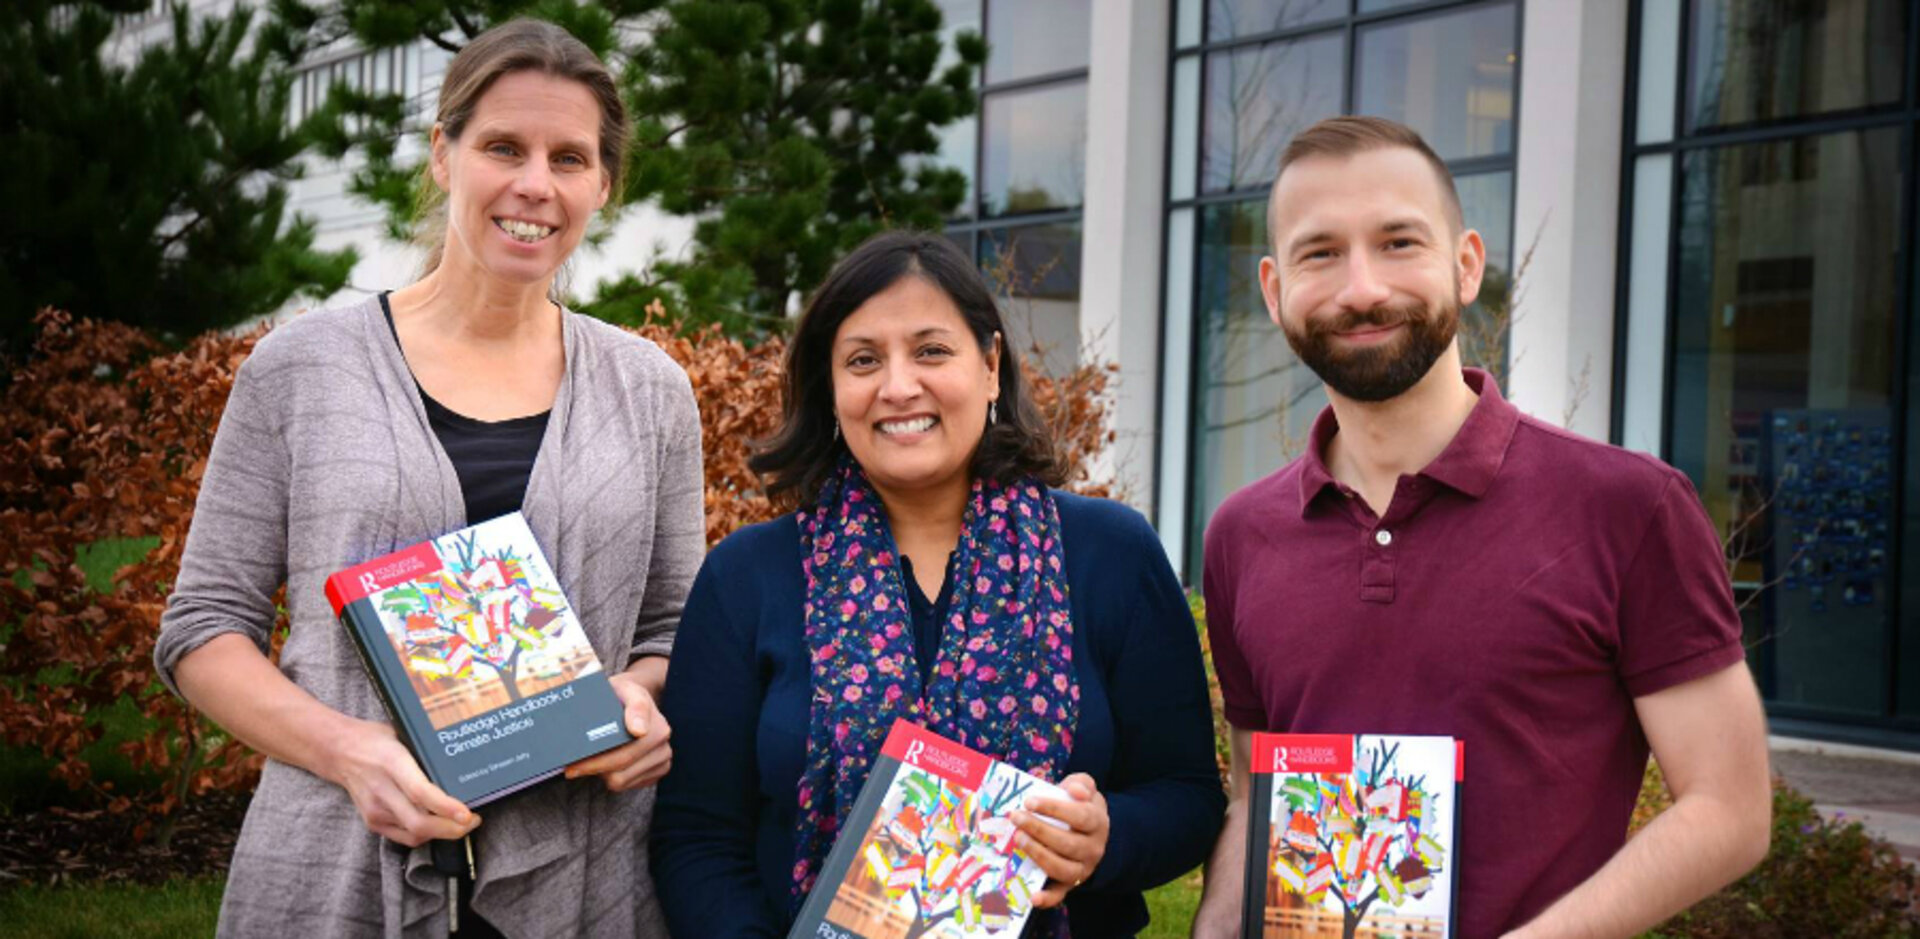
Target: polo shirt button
1383, 537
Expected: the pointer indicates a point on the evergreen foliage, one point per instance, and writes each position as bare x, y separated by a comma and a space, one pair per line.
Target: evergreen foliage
374, 124
151, 193
789, 130
792, 130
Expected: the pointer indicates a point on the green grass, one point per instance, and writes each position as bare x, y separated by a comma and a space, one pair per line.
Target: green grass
1172, 906
190, 908
176, 908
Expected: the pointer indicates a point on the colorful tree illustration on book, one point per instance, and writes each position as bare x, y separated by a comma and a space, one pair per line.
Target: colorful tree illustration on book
1356, 840
945, 855
479, 609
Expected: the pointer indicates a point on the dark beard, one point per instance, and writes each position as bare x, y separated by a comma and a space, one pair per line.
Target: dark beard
1377, 373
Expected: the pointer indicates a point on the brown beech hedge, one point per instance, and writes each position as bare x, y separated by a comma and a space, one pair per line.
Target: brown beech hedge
104, 435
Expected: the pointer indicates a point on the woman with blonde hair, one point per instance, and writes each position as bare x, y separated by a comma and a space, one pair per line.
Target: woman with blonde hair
354, 432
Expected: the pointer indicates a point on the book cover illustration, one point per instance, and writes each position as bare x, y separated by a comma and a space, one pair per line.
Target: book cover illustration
489, 628
1354, 836
487, 672
928, 849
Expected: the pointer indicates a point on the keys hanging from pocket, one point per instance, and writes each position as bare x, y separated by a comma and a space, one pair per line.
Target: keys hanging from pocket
453, 858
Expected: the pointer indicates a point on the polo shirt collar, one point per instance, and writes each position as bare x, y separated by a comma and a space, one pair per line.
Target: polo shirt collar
1469, 463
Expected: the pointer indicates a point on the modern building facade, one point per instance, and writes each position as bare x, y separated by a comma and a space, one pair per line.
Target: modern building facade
1708, 205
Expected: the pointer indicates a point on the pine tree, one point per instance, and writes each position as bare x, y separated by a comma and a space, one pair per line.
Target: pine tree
152, 194
792, 131
789, 130
373, 125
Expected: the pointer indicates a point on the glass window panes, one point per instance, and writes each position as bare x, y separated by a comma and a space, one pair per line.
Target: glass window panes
1643, 421
1026, 38
1034, 156
1659, 70
1229, 19
1782, 380
958, 147
1186, 25
1257, 98
1447, 70
1176, 379
1256, 402
1183, 157
1764, 60
1035, 270
1486, 202
1448, 76
1374, 6
1908, 699
962, 240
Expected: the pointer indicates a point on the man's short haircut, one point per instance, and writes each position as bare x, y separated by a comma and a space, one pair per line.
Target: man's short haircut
1344, 137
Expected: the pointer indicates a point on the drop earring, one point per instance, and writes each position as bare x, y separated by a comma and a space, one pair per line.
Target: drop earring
993, 413
836, 428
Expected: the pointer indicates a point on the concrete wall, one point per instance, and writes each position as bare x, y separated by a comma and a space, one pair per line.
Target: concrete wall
1120, 253
1566, 206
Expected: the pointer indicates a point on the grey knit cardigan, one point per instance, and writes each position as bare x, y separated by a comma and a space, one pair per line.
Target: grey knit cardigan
324, 459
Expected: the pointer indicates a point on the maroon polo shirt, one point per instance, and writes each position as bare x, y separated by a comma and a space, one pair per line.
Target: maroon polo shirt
1519, 593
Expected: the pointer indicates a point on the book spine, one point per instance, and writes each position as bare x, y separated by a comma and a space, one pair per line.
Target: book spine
1253, 901
1453, 878
840, 860
361, 622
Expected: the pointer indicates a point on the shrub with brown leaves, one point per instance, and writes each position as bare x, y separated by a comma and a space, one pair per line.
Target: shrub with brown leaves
105, 435
101, 436
737, 388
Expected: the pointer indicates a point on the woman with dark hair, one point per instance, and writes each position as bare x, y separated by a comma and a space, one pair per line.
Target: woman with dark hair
930, 574
353, 432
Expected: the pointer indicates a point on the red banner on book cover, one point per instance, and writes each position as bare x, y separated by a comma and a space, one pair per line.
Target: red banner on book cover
1303, 753
380, 573
923, 749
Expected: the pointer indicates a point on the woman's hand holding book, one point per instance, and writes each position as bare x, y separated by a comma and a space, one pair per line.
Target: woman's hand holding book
1066, 838
648, 757
387, 786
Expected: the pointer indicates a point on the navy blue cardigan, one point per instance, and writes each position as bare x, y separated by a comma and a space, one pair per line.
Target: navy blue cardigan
738, 693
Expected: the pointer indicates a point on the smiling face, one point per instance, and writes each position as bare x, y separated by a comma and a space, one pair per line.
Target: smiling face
523, 179
911, 387
1369, 272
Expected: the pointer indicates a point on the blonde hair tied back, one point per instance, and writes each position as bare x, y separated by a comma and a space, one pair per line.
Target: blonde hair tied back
519, 45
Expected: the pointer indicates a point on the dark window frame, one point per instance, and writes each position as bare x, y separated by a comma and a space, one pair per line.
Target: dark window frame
976, 222
975, 229
1888, 728
1351, 26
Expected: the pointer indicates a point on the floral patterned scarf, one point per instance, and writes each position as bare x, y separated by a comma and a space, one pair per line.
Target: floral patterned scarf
1003, 680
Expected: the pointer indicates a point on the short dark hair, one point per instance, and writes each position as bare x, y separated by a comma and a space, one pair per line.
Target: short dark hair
1355, 134
799, 457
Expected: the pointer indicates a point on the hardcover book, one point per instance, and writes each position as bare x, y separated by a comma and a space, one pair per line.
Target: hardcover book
927, 850
484, 668
1352, 835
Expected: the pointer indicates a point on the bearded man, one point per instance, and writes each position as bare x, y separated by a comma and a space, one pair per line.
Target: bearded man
1439, 563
